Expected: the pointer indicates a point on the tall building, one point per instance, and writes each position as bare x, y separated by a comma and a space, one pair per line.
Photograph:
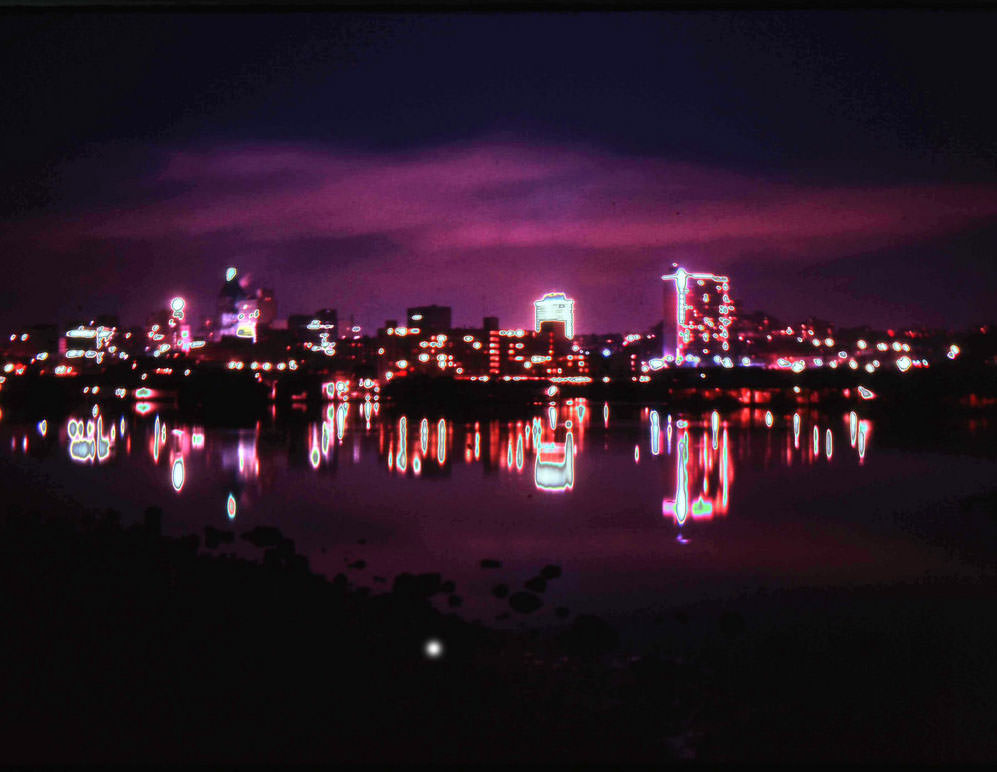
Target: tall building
429, 318
318, 331
266, 302
703, 311
238, 312
555, 308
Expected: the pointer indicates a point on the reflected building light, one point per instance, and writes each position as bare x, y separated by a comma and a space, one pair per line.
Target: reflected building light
508, 457
401, 460
862, 436
477, 445
441, 442
519, 453
816, 440
43, 427
724, 472
82, 448
177, 474
715, 425
552, 417
230, 507
342, 413
424, 435
314, 455
636, 454
668, 434
682, 480
416, 464
605, 415
325, 438
768, 418
701, 508
796, 430
852, 427
555, 475
827, 444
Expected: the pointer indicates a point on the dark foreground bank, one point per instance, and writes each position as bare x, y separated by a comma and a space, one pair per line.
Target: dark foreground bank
120, 644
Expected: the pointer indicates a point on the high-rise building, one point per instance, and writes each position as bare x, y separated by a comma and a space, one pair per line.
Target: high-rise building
429, 318
703, 311
266, 302
555, 308
318, 331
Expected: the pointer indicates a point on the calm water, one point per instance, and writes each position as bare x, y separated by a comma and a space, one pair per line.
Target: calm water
642, 508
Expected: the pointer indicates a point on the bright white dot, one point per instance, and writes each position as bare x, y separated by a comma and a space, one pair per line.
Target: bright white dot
433, 648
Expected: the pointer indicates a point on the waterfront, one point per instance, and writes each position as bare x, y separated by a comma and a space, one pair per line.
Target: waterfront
642, 509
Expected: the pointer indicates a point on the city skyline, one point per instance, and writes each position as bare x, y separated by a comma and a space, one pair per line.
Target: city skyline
369, 162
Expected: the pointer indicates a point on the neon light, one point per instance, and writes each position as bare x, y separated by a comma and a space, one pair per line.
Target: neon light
555, 307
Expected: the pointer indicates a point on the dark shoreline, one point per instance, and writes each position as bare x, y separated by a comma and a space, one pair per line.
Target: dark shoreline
125, 645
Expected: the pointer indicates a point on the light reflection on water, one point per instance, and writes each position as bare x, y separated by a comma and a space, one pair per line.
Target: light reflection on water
676, 497
549, 446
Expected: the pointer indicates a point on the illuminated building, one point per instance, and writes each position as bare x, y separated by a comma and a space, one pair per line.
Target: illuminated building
703, 312
266, 302
239, 313
429, 318
555, 308
317, 331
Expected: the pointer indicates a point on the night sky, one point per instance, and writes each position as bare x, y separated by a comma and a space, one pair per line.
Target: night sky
837, 164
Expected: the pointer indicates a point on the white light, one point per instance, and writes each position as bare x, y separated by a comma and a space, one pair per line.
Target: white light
433, 648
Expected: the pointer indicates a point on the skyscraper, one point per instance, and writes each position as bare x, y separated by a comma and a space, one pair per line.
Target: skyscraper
557, 308
703, 311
